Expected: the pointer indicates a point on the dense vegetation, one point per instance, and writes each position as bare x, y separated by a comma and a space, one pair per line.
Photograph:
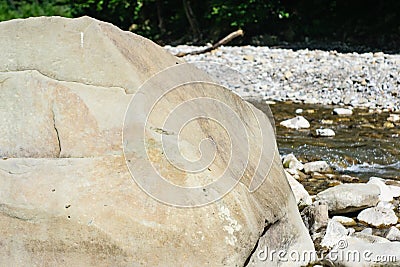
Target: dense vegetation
374, 23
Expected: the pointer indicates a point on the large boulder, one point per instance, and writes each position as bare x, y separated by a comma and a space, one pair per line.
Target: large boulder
347, 198
76, 186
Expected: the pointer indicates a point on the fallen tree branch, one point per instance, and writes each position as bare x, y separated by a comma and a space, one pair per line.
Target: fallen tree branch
223, 41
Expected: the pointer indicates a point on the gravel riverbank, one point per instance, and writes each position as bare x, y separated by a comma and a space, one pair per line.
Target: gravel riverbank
370, 80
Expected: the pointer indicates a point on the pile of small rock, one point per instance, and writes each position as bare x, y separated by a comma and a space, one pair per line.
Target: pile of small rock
334, 216
369, 80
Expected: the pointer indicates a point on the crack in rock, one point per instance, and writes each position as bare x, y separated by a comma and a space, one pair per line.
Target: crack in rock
58, 80
266, 228
11, 172
57, 134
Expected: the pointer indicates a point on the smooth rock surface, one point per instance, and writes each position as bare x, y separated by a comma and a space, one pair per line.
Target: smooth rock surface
395, 190
394, 118
346, 221
317, 166
298, 122
378, 216
385, 192
367, 231
324, 132
393, 234
301, 195
346, 198
357, 252
370, 238
335, 232
342, 111
291, 162
386, 205
67, 196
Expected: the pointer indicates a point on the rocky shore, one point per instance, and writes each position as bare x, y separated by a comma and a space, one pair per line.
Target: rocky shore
347, 216
370, 80
343, 214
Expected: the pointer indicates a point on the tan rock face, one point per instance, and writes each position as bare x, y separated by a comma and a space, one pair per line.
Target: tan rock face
67, 196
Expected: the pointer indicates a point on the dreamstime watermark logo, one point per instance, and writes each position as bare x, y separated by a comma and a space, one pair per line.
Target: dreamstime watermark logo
341, 252
187, 143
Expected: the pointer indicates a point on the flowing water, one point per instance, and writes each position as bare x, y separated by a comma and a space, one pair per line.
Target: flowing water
365, 144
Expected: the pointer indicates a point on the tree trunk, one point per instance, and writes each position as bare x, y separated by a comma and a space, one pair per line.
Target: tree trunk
161, 25
192, 20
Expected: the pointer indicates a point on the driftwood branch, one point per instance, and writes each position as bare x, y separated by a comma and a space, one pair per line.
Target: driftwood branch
223, 41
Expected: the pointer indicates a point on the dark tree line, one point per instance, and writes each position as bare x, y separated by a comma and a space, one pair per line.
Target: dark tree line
369, 22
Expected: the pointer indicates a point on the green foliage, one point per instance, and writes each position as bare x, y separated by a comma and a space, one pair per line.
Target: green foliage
118, 12
169, 21
33, 8
243, 14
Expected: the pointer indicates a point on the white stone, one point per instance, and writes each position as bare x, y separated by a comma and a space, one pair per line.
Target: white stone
345, 198
393, 234
385, 192
301, 195
326, 121
288, 74
346, 221
365, 254
367, 231
394, 118
342, 111
386, 205
351, 231
378, 216
299, 111
370, 238
291, 162
316, 166
298, 122
335, 232
324, 132
395, 190
293, 172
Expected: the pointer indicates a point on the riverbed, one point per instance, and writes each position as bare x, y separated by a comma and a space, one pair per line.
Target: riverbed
365, 143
